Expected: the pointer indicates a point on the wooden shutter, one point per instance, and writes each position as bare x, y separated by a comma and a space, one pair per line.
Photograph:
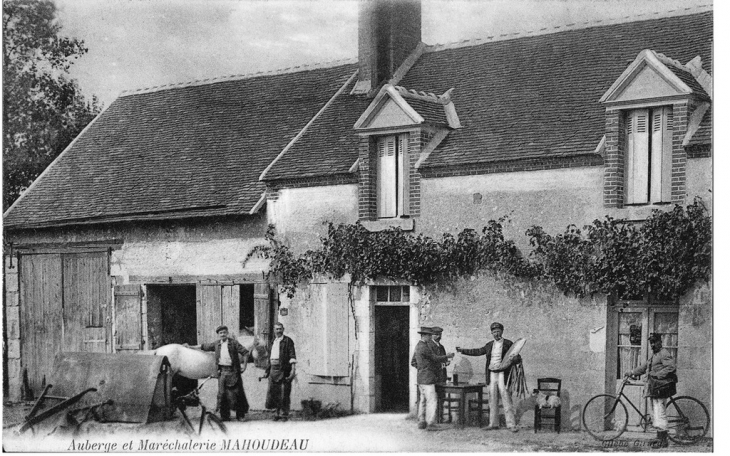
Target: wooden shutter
661, 155
403, 171
40, 315
127, 318
386, 177
329, 330
209, 314
637, 163
263, 317
231, 307
86, 299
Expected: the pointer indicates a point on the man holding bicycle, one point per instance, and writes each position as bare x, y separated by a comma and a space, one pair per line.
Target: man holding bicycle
660, 385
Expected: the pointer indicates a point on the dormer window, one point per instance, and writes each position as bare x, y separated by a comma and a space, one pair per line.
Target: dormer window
649, 156
392, 176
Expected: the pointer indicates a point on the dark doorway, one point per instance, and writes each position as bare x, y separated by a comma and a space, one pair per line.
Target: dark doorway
391, 358
171, 319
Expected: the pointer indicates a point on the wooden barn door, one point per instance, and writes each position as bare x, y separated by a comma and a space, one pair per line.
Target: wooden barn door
128, 318
40, 315
264, 318
217, 305
86, 298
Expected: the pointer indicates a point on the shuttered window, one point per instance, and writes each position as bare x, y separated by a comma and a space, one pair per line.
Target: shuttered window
329, 330
392, 176
649, 156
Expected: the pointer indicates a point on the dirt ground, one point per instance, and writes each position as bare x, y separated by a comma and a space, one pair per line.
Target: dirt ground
355, 433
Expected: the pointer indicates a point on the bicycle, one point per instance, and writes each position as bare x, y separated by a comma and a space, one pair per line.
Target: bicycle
605, 417
193, 399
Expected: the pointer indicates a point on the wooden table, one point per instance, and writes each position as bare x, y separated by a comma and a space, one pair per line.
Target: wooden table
462, 390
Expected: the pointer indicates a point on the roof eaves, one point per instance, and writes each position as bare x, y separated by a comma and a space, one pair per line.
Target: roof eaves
304, 129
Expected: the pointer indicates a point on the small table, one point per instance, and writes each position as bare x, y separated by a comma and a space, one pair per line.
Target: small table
462, 390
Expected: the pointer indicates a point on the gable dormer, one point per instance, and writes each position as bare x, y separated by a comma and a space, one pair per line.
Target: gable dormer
397, 131
651, 110
652, 76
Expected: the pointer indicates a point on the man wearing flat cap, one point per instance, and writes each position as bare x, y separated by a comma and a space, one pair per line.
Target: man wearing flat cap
230, 385
428, 363
495, 351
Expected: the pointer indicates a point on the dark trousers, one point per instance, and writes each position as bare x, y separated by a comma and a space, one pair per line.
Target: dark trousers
230, 393
278, 395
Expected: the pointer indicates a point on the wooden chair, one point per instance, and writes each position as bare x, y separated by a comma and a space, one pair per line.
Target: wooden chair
549, 387
481, 408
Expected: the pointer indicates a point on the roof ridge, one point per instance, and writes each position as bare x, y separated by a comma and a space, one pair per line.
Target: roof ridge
431, 97
574, 26
237, 77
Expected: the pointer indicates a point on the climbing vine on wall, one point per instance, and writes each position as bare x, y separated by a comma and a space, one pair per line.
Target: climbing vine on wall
664, 256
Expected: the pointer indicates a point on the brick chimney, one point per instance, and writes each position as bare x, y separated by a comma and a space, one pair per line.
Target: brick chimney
388, 31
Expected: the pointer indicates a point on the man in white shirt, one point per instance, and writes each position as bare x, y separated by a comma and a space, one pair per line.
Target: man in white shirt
230, 385
280, 372
495, 376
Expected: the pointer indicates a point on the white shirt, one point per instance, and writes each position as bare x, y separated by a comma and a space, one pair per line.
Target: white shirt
275, 348
225, 359
496, 352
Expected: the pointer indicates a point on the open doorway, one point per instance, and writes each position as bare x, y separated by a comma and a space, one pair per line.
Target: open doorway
391, 358
171, 319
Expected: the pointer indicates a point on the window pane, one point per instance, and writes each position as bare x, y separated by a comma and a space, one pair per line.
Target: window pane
629, 341
381, 294
666, 324
395, 294
406, 294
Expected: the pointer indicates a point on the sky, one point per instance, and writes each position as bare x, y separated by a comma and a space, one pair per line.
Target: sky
143, 43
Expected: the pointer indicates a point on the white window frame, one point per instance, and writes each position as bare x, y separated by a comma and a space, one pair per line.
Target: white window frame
392, 170
649, 155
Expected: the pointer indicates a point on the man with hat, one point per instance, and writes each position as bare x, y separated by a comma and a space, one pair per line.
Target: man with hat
230, 385
495, 351
661, 369
438, 349
428, 363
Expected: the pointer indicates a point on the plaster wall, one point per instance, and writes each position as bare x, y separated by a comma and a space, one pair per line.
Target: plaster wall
300, 214
552, 199
565, 336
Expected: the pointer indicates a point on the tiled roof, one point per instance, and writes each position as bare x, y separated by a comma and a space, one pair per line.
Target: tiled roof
526, 97
703, 135
431, 112
538, 96
186, 151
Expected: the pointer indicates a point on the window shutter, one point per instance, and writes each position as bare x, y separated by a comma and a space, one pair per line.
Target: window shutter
637, 163
386, 176
666, 153
403, 174
329, 330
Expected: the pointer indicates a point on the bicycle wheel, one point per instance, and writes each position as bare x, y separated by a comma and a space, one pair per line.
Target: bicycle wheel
687, 420
605, 417
215, 423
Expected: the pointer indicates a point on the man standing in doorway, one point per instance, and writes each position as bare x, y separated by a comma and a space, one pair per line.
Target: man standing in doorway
661, 369
280, 372
495, 351
429, 367
230, 385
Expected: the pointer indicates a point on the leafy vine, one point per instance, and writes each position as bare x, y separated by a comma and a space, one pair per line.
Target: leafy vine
664, 256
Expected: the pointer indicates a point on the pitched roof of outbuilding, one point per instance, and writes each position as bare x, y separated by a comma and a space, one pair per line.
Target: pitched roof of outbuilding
181, 152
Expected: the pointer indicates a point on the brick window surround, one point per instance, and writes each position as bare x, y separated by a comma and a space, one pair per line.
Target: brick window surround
367, 187
614, 187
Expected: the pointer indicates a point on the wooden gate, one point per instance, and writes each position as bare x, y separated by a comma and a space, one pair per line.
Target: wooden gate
86, 294
128, 318
264, 317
